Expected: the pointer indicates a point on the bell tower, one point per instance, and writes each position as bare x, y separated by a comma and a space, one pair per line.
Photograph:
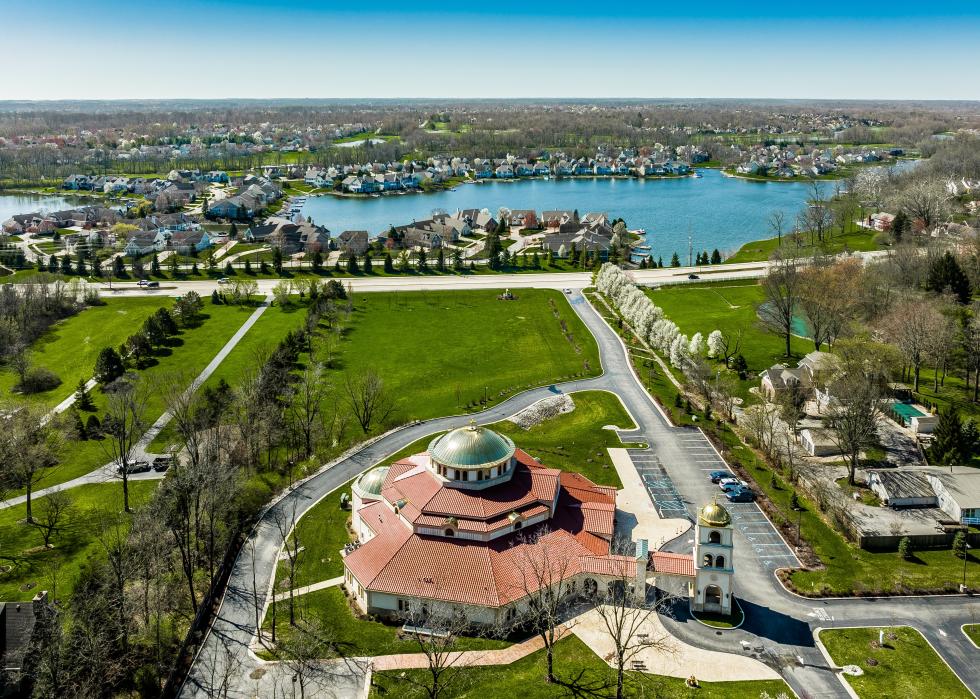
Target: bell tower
714, 564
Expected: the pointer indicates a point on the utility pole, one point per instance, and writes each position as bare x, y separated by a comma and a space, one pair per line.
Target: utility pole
690, 248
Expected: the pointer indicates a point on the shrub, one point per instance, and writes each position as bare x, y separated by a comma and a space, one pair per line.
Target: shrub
905, 548
38, 380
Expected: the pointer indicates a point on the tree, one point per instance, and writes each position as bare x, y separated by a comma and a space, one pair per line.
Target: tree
853, 418
317, 262
911, 325
123, 425
435, 627
308, 396
108, 366
546, 586
52, 512
352, 267
675, 261
284, 517
925, 201
367, 263
82, 398
277, 260
905, 549
369, 400
155, 265
389, 265
782, 286
29, 447
828, 312
421, 260
946, 275
776, 219
949, 443
624, 609
715, 257
959, 545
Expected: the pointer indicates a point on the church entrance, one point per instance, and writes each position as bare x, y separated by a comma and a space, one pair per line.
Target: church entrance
712, 598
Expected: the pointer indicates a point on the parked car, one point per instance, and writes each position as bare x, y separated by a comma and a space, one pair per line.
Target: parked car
722, 482
741, 495
729, 487
716, 476
567, 291
135, 467
162, 463
693, 276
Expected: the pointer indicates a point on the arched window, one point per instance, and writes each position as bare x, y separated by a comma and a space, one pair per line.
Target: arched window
449, 532
720, 562
714, 537
518, 524
707, 560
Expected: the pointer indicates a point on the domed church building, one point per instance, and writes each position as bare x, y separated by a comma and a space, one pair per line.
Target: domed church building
453, 524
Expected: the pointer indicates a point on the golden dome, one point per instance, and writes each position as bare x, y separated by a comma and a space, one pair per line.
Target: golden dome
714, 515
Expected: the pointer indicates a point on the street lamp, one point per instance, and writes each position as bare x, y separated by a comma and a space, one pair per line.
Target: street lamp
966, 555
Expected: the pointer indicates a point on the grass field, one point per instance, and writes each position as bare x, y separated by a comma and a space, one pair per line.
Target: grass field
729, 307
188, 354
490, 348
581, 674
972, 632
69, 348
855, 240
55, 569
906, 666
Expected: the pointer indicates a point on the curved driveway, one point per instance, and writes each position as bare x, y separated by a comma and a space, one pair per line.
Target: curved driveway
779, 626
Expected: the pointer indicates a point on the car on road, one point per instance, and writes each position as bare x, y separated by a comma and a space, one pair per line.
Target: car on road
223, 280
162, 463
567, 291
153, 285
142, 282
728, 487
741, 495
693, 276
716, 476
135, 467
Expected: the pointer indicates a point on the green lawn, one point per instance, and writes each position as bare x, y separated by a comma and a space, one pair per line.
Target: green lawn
443, 352
69, 348
972, 632
729, 307
35, 568
356, 636
190, 352
576, 441
856, 239
581, 673
906, 666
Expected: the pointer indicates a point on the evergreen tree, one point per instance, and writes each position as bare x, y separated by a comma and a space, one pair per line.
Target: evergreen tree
215, 298
248, 266
741, 366
317, 261
949, 443
421, 261
80, 265
959, 545
233, 231
535, 260
66, 267
118, 268
441, 261
643, 263
79, 426
52, 264
704, 257
167, 323
900, 226
229, 270
155, 265
675, 261
194, 270
715, 257
367, 263
352, 267
660, 261
389, 265
277, 260
82, 398
108, 366
264, 267
93, 428
946, 275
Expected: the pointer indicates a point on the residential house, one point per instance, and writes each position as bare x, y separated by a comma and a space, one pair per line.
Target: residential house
353, 242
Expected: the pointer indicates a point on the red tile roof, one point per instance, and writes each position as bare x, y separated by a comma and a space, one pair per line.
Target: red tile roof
671, 563
399, 562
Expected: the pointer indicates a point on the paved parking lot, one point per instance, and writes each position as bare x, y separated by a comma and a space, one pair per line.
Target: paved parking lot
681, 485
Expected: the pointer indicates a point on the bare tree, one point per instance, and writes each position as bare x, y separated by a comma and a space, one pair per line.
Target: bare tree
435, 628
624, 608
817, 217
782, 285
776, 221
911, 325
284, 517
369, 400
302, 653
731, 345
546, 588
53, 509
113, 536
305, 407
123, 425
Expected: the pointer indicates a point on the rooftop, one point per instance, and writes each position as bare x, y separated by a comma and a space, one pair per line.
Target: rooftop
471, 447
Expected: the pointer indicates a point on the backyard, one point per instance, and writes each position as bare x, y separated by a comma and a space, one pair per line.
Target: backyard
905, 665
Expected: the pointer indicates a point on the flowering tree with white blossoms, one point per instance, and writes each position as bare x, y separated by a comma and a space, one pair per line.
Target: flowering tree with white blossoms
716, 344
696, 347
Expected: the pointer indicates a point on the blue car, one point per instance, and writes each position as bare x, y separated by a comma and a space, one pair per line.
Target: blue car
740, 495
734, 485
716, 476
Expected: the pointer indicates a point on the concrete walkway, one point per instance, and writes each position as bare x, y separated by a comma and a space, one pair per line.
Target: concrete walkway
636, 515
322, 585
107, 472
468, 658
672, 657
69, 401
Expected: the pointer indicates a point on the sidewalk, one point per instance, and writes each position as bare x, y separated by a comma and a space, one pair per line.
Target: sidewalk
322, 585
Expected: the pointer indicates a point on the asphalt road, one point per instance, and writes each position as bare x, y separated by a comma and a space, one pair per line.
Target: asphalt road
779, 626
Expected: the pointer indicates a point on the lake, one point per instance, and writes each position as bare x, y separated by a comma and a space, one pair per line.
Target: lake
717, 211
11, 204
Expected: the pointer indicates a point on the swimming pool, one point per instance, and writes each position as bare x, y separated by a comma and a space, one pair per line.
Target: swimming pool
906, 411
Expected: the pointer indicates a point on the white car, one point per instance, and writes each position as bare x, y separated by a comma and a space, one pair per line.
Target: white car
567, 291
728, 481
223, 280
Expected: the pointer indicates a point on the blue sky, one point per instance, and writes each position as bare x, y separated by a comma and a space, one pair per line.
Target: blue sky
106, 49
